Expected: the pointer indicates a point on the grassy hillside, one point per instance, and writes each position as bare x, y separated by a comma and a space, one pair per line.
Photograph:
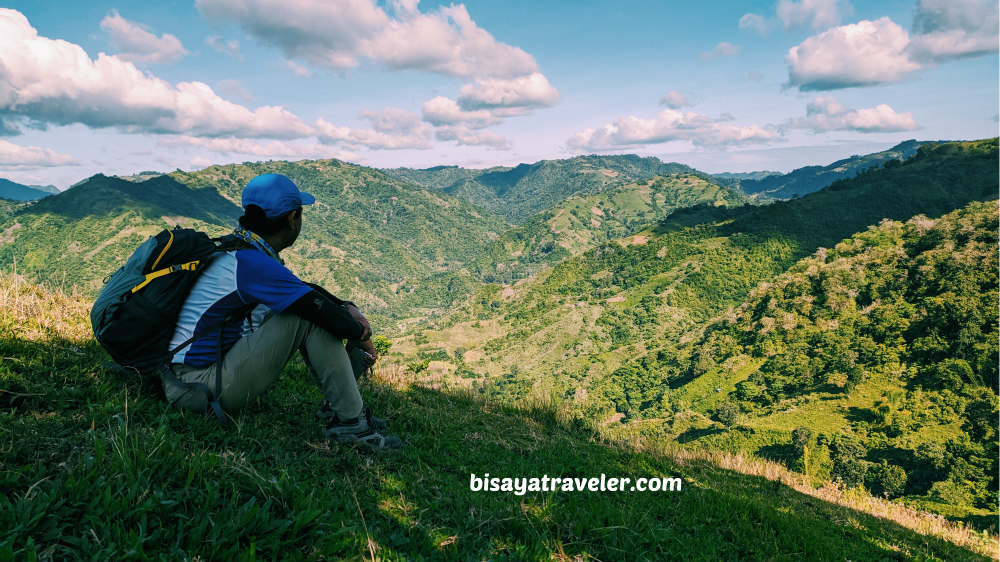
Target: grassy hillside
78, 237
93, 468
596, 329
886, 343
519, 193
582, 222
369, 238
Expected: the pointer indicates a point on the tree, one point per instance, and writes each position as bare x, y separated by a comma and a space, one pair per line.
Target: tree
727, 413
800, 438
887, 479
849, 465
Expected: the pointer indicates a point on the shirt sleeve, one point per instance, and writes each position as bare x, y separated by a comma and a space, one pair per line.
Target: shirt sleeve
260, 279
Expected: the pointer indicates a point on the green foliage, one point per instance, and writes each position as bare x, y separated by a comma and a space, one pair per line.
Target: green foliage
418, 367
801, 436
93, 468
520, 192
727, 413
910, 306
382, 344
886, 479
849, 465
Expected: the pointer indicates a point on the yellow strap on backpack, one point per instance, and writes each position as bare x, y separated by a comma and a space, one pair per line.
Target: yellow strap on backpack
189, 266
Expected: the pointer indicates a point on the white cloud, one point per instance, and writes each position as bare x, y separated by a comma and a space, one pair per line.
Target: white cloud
392, 120
336, 34
871, 53
524, 92
16, 157
49, 82
253, 148
827, 114
440, 111
723, 49
464, 136
669, 125
136, 43
817, 14
674, 100
756, 24
219, 45
371, 138
947, 29
863, 54
199, 163
299, 70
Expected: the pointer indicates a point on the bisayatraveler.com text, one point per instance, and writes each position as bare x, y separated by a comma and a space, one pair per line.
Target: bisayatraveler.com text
602, 483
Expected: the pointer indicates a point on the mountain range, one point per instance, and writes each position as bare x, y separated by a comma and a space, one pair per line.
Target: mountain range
643, 296
19, 192
808, 179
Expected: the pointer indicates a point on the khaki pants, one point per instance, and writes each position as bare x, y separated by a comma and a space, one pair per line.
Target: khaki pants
256, 360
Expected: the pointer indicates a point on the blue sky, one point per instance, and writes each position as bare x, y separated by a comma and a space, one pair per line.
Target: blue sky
123, 87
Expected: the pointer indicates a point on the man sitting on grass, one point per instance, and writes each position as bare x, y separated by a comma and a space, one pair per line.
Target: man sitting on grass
290, 315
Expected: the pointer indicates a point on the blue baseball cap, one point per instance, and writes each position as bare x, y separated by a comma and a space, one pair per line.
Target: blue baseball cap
276, 194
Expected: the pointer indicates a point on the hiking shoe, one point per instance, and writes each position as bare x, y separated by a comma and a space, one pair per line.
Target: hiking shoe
357, 430
326, 414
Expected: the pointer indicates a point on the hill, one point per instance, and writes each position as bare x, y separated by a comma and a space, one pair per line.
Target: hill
611, 331
369, 237
805, 180
18, 192
402, 251
518, 193
581, 222
887, 341
94, 468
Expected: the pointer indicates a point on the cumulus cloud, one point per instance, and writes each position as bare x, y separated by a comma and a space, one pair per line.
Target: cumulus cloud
526, 92
338, 33
136, 43
440, 111
392, 120
669, 125
486, 103
755, 23
871, 53
292, 150
862, 54
674, 100
48, 82
816, 14
16, 157
827, 114
947, 29
219, 45
465, 136
723, 49
387, 139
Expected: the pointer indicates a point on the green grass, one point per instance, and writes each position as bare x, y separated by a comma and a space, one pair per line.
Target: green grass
92, 468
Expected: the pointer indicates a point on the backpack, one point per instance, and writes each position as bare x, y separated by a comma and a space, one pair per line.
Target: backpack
135, 315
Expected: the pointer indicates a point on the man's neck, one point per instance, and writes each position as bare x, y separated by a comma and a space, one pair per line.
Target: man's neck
276, 241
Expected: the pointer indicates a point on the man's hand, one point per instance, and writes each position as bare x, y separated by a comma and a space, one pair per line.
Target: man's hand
356, 314
369, 347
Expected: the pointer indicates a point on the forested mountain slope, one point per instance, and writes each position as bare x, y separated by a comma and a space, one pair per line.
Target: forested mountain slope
518, 193
808, 179
369, 237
